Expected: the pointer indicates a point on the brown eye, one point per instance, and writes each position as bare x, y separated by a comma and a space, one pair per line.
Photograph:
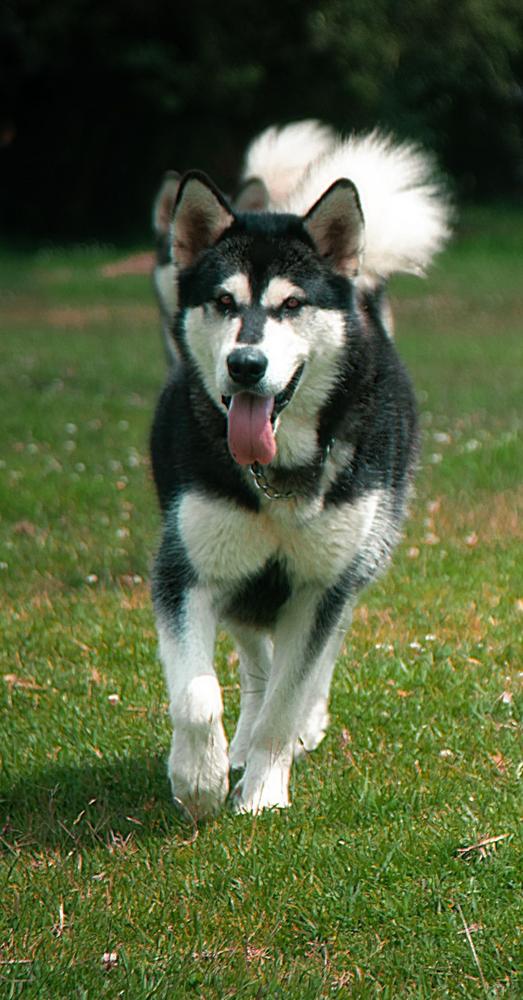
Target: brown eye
292, 303
225, 302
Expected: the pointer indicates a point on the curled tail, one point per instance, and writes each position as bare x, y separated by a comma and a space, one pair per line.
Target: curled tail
405, 208
277, 159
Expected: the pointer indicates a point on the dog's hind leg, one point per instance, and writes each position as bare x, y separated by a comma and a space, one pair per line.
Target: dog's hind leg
315, 718
198, 762
256, 653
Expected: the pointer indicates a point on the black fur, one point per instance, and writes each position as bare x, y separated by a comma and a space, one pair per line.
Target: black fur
353, 437
372, 408
260, 597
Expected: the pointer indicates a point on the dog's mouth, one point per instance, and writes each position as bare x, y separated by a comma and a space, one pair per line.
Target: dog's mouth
251, 419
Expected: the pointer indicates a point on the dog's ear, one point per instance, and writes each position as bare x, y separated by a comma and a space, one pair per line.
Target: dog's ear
336, 226
164, 203
201, 215
253, 196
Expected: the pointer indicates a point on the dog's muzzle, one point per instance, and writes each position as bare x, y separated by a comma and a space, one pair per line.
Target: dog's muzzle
251, 415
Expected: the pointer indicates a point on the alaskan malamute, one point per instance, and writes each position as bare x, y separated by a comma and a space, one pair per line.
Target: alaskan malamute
283, 450
274, 164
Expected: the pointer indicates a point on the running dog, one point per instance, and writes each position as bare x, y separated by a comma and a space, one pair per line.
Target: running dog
283, 450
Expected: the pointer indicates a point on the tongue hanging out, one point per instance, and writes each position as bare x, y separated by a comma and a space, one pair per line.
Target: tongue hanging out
250, 435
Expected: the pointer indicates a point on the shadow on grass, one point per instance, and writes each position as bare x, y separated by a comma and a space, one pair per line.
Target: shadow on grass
75, 806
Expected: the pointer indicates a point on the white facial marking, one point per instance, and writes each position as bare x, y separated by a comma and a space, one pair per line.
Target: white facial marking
278, 290
325, 331
313, 337
238, 286
285, 348
210, 338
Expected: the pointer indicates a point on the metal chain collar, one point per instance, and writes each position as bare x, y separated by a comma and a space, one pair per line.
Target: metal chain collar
270, 491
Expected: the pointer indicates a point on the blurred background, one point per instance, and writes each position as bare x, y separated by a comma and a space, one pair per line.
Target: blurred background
99, 97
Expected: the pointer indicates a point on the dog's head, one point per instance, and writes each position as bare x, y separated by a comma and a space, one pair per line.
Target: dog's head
264, 305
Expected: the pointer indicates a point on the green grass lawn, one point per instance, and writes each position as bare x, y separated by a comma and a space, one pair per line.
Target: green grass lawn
397, 872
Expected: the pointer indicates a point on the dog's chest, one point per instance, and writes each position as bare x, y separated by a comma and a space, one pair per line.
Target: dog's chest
226, 543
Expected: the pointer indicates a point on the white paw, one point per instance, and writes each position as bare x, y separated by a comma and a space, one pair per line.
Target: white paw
265, 784
199, 771
313, 730
198, 762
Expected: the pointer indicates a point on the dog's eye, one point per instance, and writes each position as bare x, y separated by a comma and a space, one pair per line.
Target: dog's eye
225, 303
292, 304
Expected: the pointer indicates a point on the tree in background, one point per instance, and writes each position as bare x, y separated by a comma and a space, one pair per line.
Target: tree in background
99, 97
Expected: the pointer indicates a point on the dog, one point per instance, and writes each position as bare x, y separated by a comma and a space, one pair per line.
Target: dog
164, 273
283, 451
274, 164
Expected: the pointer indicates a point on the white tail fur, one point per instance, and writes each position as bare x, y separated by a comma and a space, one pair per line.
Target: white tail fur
280, 156
405, 210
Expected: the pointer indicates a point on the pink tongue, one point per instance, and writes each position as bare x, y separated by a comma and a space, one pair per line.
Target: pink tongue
250, 436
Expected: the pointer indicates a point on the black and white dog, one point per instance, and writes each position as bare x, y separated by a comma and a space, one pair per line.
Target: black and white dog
274, 164
283, 451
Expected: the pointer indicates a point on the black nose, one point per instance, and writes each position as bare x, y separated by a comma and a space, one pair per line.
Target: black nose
247, 365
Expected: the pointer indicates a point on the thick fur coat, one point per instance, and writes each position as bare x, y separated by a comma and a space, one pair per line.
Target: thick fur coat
283, 451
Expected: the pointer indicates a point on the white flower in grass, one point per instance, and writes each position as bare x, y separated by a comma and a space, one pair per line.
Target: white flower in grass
472, 445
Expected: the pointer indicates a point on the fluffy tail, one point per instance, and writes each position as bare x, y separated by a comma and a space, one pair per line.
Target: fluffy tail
406, 212
279, 157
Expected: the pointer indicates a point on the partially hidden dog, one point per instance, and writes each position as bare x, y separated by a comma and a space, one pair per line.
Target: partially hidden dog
283, 447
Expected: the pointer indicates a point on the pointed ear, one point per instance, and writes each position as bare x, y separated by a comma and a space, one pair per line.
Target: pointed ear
335, 225
201, 215
252, 197
164, 203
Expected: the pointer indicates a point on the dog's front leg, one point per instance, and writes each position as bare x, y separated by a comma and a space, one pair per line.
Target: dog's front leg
198, 762
256, 652
305, 646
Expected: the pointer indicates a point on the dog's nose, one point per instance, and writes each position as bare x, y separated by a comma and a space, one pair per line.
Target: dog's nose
247, 365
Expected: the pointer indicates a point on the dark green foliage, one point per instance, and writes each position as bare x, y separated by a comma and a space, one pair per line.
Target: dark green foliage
105, 95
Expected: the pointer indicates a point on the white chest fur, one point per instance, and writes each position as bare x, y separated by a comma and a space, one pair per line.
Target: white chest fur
225, 543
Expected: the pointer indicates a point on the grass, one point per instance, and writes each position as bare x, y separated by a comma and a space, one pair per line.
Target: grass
385, 878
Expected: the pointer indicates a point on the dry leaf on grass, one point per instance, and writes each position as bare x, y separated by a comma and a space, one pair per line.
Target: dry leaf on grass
482, 846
